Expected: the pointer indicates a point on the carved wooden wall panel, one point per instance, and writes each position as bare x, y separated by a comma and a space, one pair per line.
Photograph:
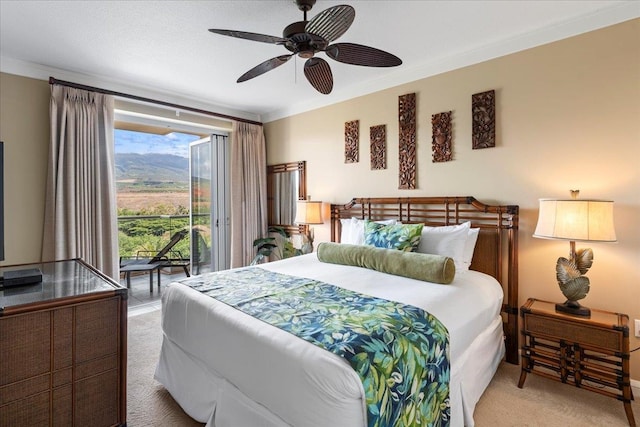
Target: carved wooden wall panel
483, 111
407, 141
351, 141
378, 138
442, 137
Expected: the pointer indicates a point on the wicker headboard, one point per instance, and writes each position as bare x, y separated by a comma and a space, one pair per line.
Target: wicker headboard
496, 251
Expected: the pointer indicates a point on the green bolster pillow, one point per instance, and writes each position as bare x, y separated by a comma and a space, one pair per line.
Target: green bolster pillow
425, 267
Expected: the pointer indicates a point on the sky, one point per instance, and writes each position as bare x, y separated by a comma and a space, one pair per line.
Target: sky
176, 143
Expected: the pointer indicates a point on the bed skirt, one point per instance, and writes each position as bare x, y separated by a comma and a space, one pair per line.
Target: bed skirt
208, 397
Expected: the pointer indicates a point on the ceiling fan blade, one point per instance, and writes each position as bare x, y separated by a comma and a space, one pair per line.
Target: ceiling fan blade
262, 68
250, 36
356, 54
331, 23
318, 73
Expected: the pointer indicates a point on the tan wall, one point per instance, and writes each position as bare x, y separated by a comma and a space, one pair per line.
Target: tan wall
24, 128
568, 117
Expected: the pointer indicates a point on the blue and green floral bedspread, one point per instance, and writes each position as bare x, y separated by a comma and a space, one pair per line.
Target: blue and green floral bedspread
400, 352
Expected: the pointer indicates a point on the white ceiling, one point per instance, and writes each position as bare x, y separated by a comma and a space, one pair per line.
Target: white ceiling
162, 49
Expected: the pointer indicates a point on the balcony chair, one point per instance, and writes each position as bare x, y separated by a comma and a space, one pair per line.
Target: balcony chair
200, 251
150, 261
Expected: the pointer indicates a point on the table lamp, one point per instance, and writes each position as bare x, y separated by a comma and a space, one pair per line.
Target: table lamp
575, 220
308, 213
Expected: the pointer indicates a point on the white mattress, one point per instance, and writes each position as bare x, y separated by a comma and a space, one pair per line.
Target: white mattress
229, 369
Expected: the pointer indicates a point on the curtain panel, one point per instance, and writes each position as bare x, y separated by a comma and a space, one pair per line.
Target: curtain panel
80, 205
248, 191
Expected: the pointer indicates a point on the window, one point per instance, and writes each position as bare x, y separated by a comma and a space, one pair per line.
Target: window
152, 177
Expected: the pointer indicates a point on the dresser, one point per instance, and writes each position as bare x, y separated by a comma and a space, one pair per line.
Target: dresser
588, 352
63, 348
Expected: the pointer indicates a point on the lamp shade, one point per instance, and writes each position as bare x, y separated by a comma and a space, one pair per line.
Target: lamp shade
308, 212
576, 220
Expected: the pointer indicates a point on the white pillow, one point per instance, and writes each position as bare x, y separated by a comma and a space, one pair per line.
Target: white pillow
448, 241
470, 246
346, 227
352, 231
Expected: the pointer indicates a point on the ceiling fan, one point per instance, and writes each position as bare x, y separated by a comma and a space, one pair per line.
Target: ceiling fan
307, 38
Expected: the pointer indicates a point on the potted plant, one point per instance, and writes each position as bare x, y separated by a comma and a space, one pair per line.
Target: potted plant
281, 247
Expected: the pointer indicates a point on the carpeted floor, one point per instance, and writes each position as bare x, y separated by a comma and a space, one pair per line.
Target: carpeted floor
541, 402
148, 403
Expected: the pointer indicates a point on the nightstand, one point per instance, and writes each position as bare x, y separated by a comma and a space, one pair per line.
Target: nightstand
588, 352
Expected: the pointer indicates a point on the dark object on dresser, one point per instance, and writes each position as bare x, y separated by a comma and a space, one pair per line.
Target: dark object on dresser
27, 276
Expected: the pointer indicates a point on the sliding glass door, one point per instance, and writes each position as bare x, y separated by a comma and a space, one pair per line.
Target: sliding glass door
209, 199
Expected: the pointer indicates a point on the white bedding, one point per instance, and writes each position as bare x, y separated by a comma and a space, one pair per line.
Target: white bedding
229, 369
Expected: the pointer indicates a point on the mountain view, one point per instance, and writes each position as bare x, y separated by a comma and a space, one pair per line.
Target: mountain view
151, 168
152, 172
129, 141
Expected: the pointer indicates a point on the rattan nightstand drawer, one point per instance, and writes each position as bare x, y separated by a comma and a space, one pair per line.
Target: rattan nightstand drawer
573, 332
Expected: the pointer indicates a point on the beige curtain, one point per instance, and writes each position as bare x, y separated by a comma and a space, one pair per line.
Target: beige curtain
80, 205
248, 191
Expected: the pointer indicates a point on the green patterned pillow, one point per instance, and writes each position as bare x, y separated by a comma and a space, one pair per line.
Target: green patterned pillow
404, 237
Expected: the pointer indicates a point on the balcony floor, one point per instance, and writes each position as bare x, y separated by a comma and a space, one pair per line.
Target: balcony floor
140, 299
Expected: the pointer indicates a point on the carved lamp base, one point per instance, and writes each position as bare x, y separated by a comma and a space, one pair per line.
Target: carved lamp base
573, 307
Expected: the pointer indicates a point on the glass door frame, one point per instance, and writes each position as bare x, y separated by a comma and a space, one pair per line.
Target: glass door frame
216, 238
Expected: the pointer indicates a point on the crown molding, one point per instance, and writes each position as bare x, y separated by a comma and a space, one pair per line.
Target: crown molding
42, 72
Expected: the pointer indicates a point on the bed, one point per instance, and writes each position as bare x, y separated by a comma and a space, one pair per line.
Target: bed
227, 368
